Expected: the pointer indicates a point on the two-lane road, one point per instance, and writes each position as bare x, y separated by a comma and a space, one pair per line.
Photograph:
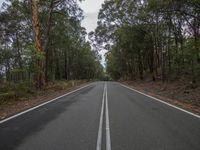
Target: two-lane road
102, 116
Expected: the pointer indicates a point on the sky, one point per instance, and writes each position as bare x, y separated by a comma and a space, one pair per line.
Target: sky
91, 9
1, 1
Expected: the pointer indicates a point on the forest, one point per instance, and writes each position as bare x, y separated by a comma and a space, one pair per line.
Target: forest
156, 39
43, 41
43, 49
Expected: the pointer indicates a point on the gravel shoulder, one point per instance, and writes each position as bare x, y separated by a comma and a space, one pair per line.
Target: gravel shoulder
177, 93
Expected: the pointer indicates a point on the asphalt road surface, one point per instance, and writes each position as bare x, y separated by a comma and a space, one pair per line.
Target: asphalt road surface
102, 116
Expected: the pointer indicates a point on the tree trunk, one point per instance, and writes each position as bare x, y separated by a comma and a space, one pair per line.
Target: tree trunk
46, 47
40, 82
66, 73
19, 59
140, 66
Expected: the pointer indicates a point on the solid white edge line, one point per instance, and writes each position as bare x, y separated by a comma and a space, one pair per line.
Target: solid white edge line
108, 140
99, 136
30, 109
183, 110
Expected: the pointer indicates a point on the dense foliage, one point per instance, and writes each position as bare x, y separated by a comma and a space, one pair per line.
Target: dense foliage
45, 38
157, 38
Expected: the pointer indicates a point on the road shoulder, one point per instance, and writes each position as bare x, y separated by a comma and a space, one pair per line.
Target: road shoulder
15, 107
176, 102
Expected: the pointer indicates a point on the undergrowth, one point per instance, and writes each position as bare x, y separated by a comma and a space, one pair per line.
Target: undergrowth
22, 91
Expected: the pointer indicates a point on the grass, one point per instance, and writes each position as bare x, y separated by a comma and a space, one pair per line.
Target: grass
23, 91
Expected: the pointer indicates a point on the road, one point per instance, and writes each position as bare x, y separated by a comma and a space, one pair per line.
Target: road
102, 116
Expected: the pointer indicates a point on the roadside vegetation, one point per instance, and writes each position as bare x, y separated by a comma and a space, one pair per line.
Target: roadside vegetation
23, 91
43, 46
151, 42
151, 38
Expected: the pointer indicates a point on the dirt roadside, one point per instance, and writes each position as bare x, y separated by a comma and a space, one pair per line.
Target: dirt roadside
14, 107
176, 93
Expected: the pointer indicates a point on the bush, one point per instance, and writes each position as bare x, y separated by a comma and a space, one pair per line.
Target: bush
15, 91
4, 97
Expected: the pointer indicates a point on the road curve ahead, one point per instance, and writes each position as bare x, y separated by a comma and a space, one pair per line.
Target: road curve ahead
102, 116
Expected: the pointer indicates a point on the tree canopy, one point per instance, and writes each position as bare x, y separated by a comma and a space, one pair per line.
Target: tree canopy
43, 40
157, 38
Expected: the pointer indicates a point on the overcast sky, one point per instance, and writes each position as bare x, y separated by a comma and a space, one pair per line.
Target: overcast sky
1, 1
91, 9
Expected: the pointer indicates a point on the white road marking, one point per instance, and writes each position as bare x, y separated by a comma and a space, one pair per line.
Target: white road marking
99, 137
108, 141
28, 110
190, 113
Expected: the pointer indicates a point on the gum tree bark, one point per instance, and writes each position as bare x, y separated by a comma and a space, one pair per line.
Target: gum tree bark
40, 81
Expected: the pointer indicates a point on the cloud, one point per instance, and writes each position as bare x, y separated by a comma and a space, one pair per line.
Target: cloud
91, 6
91, 9
1, 2
90, 21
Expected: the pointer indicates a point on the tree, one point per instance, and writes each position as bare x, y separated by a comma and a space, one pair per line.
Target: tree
36, 30
47, 42
150, 38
